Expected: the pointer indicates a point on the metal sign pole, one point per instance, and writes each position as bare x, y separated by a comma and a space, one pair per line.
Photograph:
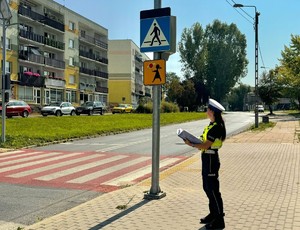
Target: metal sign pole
3, 81
155, 192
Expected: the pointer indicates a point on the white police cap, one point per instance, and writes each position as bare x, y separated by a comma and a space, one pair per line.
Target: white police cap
215, 106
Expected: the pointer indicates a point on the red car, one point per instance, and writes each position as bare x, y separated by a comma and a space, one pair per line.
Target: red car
16, 108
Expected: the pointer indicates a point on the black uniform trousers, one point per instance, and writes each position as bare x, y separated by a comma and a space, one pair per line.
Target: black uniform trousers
211, 184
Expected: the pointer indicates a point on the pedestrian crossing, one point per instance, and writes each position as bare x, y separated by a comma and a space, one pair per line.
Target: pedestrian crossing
97, 171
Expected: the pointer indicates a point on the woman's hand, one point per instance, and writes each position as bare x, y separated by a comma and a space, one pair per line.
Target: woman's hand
188, 143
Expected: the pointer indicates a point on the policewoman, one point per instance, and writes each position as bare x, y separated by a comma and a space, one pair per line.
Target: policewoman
212, 138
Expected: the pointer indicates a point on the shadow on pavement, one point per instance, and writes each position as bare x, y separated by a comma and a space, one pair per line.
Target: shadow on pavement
118, 216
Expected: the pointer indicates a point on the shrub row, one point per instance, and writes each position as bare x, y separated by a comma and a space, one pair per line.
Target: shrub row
165, 107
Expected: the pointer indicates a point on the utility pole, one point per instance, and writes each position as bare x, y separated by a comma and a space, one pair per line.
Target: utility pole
5, 17
256, 67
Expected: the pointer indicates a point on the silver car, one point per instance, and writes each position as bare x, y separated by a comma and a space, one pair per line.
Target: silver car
260, 108
58, 109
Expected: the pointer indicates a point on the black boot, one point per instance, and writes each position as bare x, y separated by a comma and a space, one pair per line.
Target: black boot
206, 220
217, 223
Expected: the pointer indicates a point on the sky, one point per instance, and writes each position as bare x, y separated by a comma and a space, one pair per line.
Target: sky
278, 20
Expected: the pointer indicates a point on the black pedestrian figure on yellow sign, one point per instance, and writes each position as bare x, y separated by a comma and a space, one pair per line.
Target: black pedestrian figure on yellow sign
157, 74
156, 32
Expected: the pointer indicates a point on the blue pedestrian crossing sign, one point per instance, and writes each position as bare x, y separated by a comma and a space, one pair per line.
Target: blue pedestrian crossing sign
155, 33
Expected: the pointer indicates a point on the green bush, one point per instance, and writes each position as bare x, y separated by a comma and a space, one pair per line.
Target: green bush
145, 108
165, 107
168, 107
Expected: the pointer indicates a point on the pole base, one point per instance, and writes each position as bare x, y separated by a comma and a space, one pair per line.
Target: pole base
156, 196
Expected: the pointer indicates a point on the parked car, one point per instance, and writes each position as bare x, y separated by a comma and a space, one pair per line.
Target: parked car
16, 108
260, 108
122, 108
58, 109
91, 107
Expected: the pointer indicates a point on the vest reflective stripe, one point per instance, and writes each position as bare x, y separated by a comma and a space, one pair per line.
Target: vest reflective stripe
217, 143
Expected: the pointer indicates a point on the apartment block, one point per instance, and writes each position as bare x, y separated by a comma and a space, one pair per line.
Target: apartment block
126, 73
55, 54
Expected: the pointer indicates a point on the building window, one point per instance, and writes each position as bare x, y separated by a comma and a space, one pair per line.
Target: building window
25, 93
7, 66
73, 97
50, 36
71, 61
56, 95
71, 79
71, 43
7, 43
83, 65
72, 26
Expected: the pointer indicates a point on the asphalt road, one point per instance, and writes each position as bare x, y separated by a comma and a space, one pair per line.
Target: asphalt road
140, 142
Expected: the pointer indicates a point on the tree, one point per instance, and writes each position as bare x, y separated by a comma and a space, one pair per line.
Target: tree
170, 77
188, 96
289, 71
269, 88
236, 97
173, 88
180, 92
214, 59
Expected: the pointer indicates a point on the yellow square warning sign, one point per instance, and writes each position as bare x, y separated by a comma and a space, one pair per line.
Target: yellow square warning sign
155, 72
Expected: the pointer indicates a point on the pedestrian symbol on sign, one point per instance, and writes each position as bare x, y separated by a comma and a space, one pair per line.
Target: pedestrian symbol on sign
157, 74
156, 32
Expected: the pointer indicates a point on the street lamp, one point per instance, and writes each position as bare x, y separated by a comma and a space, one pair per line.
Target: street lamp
256, 58
5, 16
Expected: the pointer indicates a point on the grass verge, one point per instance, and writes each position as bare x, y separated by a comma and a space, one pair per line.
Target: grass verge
262, 126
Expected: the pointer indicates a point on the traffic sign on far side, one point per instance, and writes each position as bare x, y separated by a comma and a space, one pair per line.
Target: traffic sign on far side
155, 72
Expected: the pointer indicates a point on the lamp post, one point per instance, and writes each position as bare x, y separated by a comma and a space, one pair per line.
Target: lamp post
5, 16
256, 58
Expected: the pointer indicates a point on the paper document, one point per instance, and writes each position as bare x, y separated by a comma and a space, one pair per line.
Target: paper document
185, 135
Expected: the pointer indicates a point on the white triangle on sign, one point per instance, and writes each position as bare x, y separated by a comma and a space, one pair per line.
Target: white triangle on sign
155, 37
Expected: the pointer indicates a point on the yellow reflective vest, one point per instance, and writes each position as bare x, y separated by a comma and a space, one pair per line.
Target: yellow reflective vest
217, 143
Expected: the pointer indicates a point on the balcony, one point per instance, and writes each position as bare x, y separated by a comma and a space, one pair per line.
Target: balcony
41, 39
91, 72
55, 82
93, 56
100, 89
94, 41
39, 59
41, 18
138, 58
54, 43
31, 79
55, 63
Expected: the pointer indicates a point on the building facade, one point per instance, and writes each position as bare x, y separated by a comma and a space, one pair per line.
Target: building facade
126, 73
55, 54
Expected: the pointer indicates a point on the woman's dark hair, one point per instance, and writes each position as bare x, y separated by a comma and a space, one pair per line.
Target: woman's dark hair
219, 120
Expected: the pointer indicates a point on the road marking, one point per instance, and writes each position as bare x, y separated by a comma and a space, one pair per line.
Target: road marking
9, 168
97, 174
10, 153
131, 176
19, 158
101, 172
54, 166
72, 170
